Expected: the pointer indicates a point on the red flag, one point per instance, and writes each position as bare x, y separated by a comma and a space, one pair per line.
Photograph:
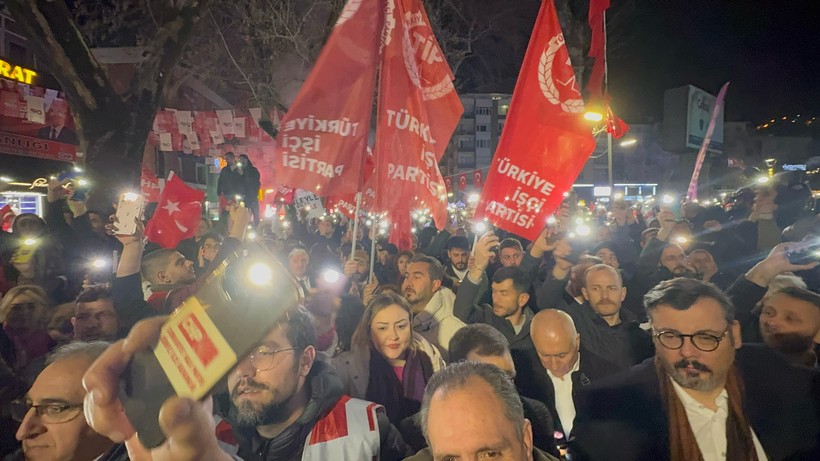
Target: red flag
545, 141
284, 195
477, 179
597, 46
448, 184
418, 112
177, 214
462, 182
614, 125
346, 204
323, 137
149, 184
6, 217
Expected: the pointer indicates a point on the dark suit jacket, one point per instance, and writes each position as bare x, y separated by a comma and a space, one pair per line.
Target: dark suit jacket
624, 417
66, 135
533, 381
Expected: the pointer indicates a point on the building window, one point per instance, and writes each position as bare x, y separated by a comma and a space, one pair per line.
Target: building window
481, 128
17, 54
482, 143
482, 111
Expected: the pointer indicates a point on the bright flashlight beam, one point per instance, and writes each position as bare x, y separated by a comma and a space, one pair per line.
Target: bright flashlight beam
130, 196
593, 116
331, 276
98, 263
260, 274
583, 230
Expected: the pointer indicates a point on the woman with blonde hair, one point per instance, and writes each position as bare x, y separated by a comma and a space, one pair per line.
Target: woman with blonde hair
388, 363
24, 313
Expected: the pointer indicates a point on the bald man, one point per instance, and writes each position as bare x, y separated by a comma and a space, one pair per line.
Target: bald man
560, 367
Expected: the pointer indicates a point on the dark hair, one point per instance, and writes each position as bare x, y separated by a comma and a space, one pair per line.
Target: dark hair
681, 293
521, 282
215, 236
510, 243
458, 241
611, 246
299, 331
480, 338
801, 294
94, 293
229, 154
433, 266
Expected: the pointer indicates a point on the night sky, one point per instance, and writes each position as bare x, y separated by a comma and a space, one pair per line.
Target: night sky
769, 50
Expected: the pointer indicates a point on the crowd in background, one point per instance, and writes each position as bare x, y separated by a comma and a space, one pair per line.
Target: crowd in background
601, 338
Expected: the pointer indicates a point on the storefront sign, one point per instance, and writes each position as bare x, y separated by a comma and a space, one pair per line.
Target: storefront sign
21, 74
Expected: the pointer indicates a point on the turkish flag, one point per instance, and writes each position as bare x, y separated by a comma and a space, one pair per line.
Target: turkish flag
614, 125
545, 141
462, 182
284, 194
149, 184
597, 46
323, 137
6, 217
477, 179
448, 184
177, 215
418, 112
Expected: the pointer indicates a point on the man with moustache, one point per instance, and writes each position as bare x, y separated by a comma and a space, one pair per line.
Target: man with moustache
609, 331
703, 396
283, 405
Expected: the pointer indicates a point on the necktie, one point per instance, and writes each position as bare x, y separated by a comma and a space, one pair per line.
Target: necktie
53, 133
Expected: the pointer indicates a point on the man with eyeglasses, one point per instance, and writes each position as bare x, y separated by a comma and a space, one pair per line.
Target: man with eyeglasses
282, 404
703, 396
52, 425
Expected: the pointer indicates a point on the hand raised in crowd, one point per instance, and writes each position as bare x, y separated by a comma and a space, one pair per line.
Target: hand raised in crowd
542, 243
125, 239
238, 219
667, 220
483, 250
187, 425
776, 263
55, 189
369, 291
350, 268
561, 251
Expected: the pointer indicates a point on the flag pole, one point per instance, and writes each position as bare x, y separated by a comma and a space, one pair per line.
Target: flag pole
372, 258
355, 225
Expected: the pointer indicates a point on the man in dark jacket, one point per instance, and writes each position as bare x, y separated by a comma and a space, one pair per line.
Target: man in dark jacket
741, 400
251, 182
559, 367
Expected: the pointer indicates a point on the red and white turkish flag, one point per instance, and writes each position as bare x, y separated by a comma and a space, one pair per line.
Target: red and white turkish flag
418, 112
178, 213
149, 185
545, 141
323, 137
477, 179
6, 217
462, 182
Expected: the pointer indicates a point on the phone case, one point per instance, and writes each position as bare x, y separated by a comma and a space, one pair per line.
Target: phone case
127, 210
23, 255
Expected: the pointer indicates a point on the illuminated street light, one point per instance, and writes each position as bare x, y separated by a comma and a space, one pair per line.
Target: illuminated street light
593, 116
629, 142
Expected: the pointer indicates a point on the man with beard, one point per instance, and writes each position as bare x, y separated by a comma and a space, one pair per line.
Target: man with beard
284, 405
703, 396
95, 318
432, 303
609, 331
458, 252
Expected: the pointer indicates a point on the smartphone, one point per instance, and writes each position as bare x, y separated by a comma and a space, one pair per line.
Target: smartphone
806, 252
129, 209
26, 251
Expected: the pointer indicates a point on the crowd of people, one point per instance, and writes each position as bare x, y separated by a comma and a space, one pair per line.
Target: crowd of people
680, 331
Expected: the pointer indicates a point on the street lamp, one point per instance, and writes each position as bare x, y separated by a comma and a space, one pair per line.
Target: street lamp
593, 116
629, 142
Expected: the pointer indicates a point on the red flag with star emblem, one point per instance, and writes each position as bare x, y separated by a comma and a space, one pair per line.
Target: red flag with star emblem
177, 215
545, 142
149, 185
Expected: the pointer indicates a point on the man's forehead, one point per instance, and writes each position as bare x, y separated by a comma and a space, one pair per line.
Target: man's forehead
277, 337
62, 380
98, 305
783, 301
704, 314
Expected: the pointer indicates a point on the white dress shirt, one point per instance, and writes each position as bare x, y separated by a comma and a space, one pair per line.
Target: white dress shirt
709, 427
564, 405
459, 274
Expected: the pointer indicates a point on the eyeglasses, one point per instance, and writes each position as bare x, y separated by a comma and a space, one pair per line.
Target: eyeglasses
262, 358
703, 341
52, 413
